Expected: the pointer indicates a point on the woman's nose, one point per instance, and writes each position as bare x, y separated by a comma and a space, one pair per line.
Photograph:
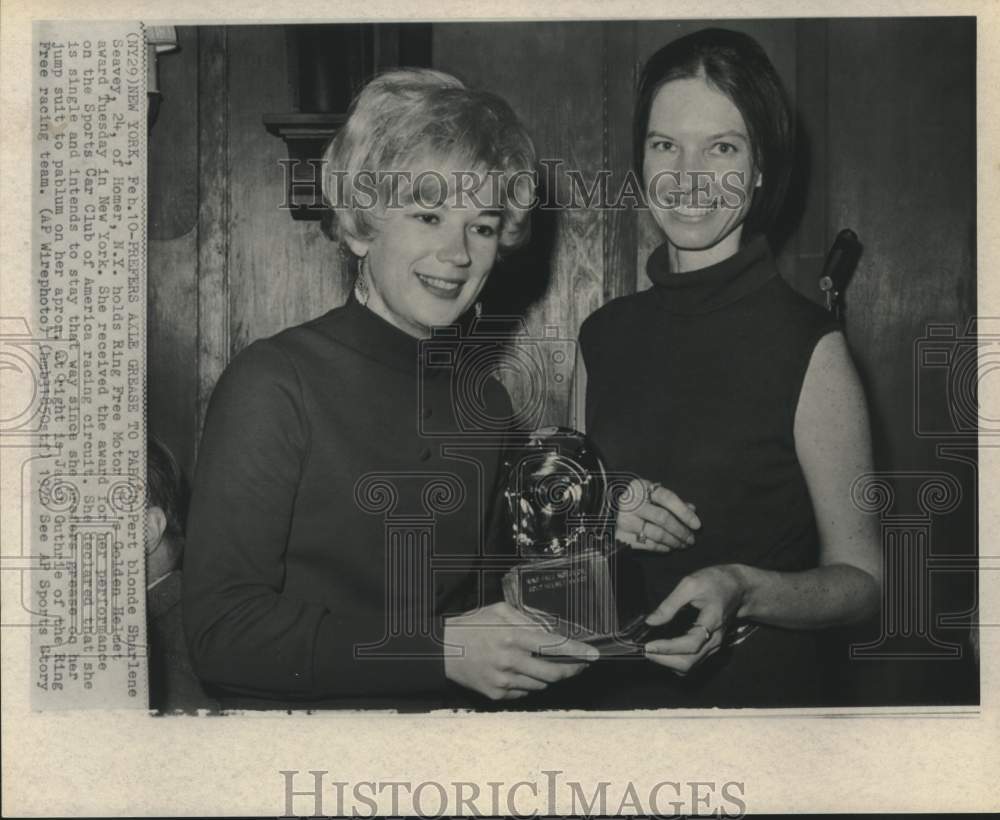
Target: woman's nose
686, 172
455, 250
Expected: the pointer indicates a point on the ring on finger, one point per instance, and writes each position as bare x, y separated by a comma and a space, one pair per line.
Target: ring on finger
708, 632
641, 535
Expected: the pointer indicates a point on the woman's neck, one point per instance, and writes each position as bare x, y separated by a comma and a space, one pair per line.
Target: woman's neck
683, 260
369, 297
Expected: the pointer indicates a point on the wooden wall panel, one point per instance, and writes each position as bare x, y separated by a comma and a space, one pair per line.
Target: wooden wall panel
172, 344
213, 211
902, 174
282, 271
172, 272
556, 85
901, 171
807, 195
173, 142
621, 232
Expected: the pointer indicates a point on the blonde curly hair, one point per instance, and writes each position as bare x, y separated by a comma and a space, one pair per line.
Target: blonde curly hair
408, 118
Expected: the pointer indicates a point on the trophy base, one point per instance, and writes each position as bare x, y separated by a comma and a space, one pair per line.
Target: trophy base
626, 644
583, 597
594, 597
629, 642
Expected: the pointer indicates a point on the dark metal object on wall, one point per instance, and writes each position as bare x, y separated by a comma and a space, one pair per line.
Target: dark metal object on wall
841, 262
159, 40
327, 66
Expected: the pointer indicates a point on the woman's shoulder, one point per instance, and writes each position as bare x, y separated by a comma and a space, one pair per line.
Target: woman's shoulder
797, 306
612, 315
275, 361
795, 320
258, 376
291, 346
320, 332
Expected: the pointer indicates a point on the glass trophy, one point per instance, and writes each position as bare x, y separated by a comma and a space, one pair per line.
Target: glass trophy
573, 579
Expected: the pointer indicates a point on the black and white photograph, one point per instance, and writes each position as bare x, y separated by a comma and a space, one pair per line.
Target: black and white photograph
456, 388
357, 474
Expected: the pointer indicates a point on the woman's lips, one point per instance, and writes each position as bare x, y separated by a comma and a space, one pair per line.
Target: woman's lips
688, 214
442, 288
689, 207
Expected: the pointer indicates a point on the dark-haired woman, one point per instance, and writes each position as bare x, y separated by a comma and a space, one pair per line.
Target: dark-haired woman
745, 416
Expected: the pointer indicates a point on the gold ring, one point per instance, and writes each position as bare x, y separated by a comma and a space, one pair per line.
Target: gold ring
708, 632
641, 535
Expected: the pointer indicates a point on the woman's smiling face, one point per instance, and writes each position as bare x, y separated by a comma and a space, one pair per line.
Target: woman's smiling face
698, 171
429, 260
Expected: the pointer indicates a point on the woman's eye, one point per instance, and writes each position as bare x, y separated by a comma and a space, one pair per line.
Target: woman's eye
661, 145
484, 230
725, 148
427, 219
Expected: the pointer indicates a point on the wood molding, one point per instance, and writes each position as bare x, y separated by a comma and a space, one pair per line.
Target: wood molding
620, 230
213, 212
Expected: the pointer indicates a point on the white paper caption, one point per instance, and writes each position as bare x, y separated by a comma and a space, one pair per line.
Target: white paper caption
86, 593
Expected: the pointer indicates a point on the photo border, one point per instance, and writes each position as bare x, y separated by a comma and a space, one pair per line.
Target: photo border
814, 760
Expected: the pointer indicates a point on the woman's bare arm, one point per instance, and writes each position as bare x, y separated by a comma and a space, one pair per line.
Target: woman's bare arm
833, 443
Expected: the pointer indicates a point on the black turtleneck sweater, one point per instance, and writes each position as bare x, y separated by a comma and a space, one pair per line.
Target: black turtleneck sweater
335, 502
694, 383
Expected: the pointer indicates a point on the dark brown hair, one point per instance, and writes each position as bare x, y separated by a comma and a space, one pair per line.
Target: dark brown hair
736, 65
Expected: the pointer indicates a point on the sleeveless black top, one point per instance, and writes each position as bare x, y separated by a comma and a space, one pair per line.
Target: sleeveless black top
694, 383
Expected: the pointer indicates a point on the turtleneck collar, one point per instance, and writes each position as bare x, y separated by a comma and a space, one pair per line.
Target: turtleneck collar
708, 289
378, 339
375, 338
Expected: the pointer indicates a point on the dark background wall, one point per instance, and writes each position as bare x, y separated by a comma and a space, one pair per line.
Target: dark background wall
886, 112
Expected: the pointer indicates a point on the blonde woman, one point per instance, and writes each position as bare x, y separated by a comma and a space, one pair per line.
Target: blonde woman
288, 580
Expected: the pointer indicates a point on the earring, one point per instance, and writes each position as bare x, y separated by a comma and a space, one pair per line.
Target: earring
479, 310
361, 282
